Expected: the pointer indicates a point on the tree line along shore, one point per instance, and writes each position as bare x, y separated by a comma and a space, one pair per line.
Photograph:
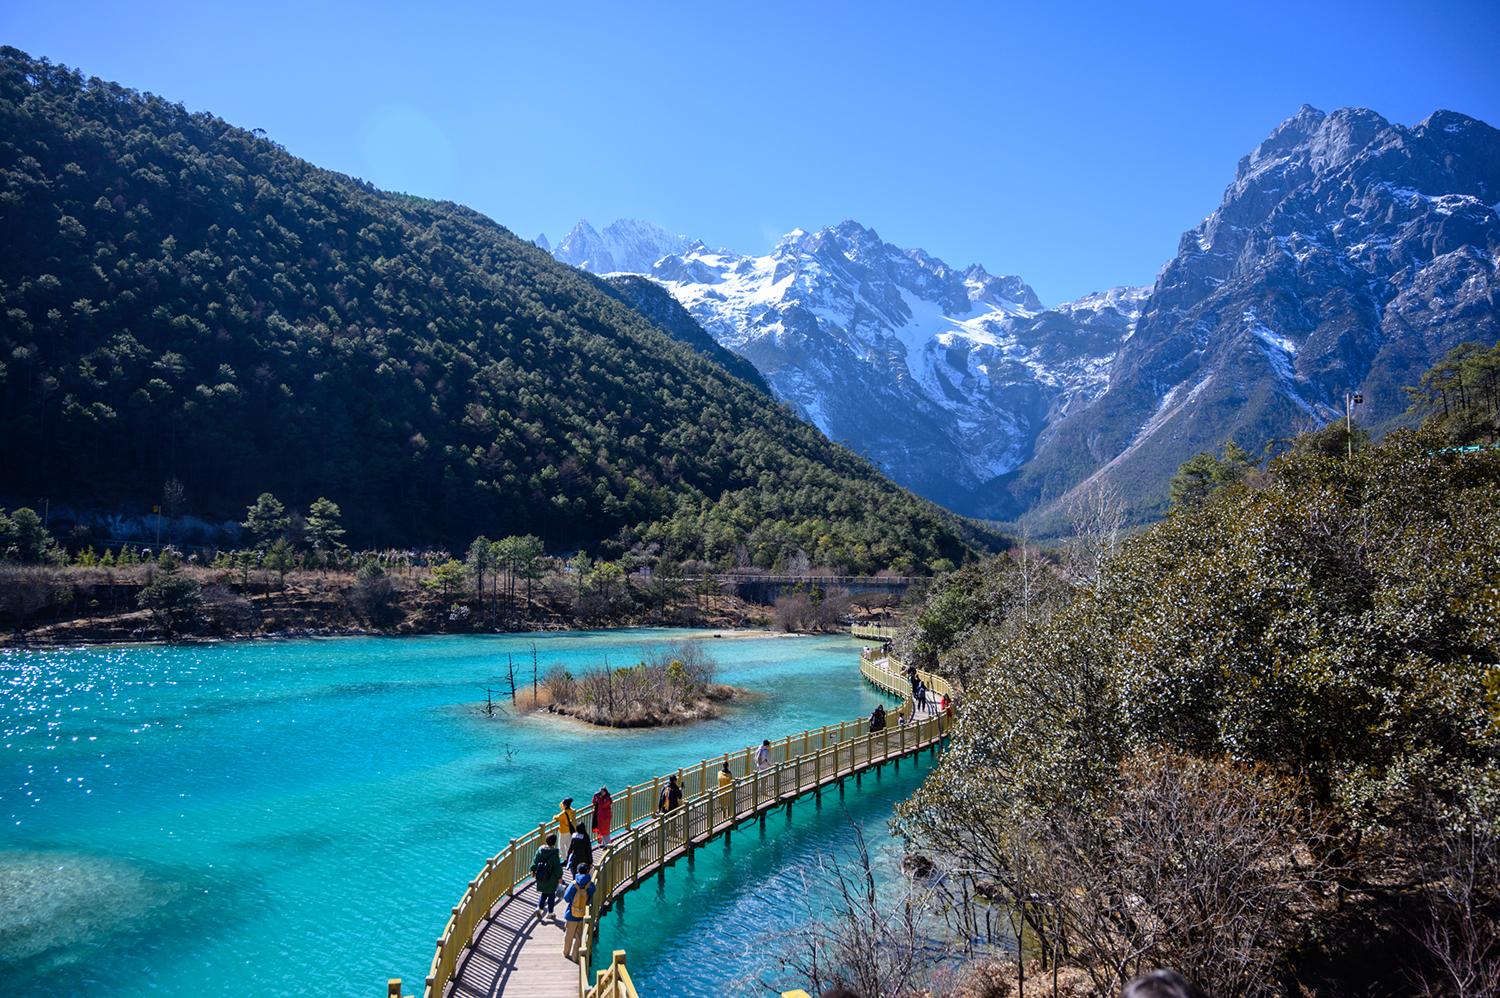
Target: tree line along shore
295, 576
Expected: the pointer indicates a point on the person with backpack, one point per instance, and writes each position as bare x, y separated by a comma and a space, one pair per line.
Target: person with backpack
580, 852
547, 868
671, 796
567, 819
877, 719
604, 807
919, 694
576, 911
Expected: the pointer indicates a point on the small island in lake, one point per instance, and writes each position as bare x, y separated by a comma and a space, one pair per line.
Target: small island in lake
672, 685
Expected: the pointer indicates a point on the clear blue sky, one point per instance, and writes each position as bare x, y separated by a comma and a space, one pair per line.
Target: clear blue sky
1068, 143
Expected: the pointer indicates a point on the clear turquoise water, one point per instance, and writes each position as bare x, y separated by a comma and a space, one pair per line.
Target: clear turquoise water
297, 817
713, 926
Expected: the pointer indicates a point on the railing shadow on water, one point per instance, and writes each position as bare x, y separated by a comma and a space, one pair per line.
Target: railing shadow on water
649, 841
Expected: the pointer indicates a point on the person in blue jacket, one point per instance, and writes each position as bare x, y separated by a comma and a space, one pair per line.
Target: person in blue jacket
577, 897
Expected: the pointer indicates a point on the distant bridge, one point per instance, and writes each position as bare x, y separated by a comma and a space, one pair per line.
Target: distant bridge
767, 588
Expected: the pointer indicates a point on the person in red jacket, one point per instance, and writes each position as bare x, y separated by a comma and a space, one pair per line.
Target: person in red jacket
603, 811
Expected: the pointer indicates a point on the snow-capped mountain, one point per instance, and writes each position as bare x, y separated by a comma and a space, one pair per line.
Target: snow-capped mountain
1348, 254
943, 377
625, 246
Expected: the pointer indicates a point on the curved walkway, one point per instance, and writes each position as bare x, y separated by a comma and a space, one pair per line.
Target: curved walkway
494, 944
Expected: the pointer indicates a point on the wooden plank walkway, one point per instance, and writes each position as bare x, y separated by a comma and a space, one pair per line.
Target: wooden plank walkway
516, 953
511, 952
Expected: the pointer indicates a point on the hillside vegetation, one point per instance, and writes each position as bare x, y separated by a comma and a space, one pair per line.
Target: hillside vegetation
183, 300
1262, 743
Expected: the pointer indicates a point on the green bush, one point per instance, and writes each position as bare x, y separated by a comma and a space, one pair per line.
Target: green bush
1334, 624
174, 600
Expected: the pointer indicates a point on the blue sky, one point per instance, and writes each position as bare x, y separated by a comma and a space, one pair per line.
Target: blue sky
1069, 143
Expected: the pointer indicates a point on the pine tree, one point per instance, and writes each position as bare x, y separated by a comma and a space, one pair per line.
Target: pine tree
280, 559
265, 519
323, 526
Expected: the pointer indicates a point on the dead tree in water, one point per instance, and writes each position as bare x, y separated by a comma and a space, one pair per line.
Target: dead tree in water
489, 700
510, 672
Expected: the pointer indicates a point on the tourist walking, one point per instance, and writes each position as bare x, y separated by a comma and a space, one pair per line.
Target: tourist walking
763, 755
877, 718
919, 694
580, 852
604, 807
547, 868
566, 818
726, 790
671, 796
576, 911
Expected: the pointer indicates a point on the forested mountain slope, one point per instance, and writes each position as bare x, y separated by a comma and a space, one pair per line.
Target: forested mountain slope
182, 298
657, 304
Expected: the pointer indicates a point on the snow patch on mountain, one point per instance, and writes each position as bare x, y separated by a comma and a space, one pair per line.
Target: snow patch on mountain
625, 246
945, 377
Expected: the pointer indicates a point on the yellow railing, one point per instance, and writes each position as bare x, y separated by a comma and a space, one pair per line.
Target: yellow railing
613, 982
890, 675
647, 841
874, 632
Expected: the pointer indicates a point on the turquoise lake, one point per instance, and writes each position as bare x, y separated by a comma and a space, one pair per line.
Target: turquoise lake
297, 817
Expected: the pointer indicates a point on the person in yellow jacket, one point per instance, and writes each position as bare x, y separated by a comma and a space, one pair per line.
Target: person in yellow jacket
726, 790
567, 820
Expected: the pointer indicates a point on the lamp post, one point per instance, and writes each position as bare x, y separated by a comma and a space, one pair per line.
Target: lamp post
1351, 399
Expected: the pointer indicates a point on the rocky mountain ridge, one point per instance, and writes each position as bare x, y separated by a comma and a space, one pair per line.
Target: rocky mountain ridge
1348, 253
943, 376
1347, 256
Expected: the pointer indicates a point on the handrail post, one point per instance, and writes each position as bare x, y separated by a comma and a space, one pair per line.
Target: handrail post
510, 888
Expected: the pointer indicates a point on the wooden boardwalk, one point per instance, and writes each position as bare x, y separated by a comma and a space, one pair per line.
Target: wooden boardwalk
516, 953
495, 945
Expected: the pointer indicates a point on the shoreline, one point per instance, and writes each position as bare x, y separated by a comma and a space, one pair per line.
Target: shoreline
9, 644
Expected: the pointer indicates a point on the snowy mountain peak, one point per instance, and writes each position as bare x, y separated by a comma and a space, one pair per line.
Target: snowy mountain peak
853, 331
1347, 252
626, 245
